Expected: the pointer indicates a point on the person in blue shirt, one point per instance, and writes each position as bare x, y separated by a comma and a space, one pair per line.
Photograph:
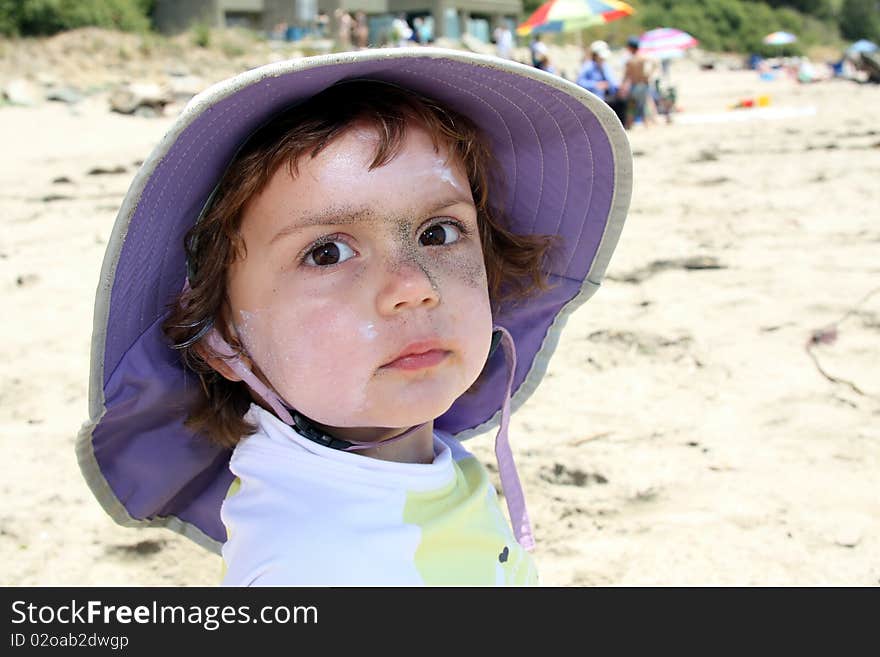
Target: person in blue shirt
596, 77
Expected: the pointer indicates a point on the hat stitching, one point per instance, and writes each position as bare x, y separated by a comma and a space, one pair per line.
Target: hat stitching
588, 209
552, 118
564, 101
540, 107
621, 175
561, 102
590, 203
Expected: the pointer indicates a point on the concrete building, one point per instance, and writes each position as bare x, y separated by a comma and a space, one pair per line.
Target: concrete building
172, 16
449, 18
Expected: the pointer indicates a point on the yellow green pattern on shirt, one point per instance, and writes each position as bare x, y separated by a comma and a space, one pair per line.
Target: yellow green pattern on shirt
233, 489
466, 540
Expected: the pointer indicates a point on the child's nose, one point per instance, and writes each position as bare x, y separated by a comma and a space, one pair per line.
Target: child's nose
406, 286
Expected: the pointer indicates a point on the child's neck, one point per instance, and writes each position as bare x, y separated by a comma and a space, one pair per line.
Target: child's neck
415, 448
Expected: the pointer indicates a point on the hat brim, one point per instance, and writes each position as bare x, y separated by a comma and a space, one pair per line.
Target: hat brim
567, 168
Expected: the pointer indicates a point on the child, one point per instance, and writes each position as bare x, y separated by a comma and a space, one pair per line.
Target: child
300, 303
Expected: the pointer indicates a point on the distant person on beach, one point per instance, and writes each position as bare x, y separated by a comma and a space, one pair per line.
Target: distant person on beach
540, 54
401, 32
361, 31
636, 85
503, 41
322, 21
807, 72
418, 28
869, 64
596, 76
426, 30
295, 332
344, 23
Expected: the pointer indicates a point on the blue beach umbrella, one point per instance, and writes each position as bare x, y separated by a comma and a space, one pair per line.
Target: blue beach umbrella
862, 45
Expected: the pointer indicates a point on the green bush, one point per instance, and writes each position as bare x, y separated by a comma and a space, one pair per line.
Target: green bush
201, 35
8, 24
740, 25
45, 17
860, 19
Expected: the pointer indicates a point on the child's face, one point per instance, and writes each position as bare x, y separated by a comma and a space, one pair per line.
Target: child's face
348, 270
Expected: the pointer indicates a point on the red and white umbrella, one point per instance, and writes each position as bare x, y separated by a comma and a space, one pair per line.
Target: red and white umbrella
665, 43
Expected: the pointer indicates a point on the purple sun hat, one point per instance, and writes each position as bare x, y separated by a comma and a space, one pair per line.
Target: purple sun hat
567, 168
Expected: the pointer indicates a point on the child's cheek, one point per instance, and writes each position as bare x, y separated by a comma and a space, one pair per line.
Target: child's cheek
466, 308
314, 354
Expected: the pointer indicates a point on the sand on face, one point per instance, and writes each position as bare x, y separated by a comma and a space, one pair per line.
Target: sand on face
683, 435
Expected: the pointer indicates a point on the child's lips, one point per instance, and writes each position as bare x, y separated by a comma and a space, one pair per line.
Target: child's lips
419, 355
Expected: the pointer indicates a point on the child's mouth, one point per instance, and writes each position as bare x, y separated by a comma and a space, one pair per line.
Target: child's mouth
417, 356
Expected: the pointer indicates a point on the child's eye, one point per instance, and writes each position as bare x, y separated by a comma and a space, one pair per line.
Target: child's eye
439, 234
329, 253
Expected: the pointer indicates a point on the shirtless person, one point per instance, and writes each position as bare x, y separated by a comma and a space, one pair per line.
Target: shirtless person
637, 80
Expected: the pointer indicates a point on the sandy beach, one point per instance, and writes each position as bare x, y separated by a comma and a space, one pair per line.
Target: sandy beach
711, 416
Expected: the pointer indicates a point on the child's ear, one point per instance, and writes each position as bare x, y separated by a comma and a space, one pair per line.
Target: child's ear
226, 366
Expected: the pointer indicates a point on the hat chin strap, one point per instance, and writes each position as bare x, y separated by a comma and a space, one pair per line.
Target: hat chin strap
510, 482
216, 342
513, 492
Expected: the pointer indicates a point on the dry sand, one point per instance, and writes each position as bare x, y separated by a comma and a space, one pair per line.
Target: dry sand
683, 435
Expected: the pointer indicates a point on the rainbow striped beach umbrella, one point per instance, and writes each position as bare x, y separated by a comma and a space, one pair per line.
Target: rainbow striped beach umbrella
570, 15
665, 43
779, 38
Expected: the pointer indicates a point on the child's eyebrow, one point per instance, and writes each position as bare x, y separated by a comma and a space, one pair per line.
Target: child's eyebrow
353, 215
329, 217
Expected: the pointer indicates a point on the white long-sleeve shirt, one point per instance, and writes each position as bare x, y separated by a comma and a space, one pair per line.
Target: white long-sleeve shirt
300, 513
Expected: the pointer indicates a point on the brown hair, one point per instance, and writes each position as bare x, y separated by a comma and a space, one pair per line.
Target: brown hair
514, 263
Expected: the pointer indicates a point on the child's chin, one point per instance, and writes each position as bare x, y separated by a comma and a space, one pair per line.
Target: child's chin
409, 414
399, 407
